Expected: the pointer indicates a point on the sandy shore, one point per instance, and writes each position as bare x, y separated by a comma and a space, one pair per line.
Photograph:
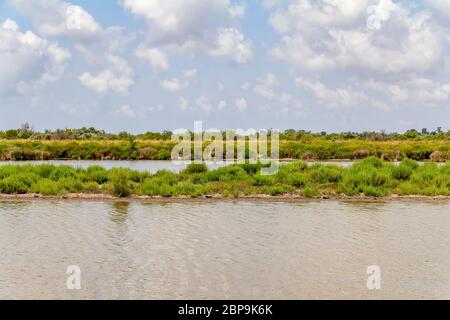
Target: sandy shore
286, 198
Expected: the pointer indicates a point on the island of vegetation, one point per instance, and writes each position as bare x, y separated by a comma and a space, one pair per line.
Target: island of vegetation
91, 144
367, 178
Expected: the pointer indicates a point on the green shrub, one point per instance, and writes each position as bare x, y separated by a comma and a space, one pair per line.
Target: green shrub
402, 172
261, 180
97, 174
326, 174
298, 180
154, 187
310, 192
408, 188
195, 168
48, 187
371, 162
227, 173
70, 184
13, 185
277, 190
188, 189
62, 172
372, 191
44, 170
121, 187
167, 177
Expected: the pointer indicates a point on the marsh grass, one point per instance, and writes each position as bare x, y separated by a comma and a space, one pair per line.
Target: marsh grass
312, 148
371, 177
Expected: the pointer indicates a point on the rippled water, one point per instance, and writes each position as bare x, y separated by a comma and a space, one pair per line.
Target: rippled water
224, 250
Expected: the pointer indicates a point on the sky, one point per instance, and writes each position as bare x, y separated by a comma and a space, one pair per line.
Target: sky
151, 65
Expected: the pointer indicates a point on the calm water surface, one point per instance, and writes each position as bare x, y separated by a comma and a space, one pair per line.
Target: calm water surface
140, 165
224, 250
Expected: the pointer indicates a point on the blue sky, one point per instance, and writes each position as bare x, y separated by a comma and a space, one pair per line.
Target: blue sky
152, 65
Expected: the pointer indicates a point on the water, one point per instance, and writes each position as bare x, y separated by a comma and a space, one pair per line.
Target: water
224, 250
142, 165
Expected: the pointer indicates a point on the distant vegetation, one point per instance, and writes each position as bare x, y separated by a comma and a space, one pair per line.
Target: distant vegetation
314, 149
92, 144
26, 132
369, 177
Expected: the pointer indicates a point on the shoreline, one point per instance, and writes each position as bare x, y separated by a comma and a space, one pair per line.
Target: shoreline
212, 198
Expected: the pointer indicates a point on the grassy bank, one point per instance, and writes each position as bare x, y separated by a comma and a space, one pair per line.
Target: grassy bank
311, 149
370, 177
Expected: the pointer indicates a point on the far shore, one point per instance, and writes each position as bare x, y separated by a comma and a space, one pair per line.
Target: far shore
218, 197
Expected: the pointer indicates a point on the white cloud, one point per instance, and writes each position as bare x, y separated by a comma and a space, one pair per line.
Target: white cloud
369, 36
241, 103
177, 21
441, 7
204, 103
156, 57
231, 42
264, 91
174, 84
245, 86
285, 98
26, 60
270, 80
237, 10
333, 98
117, 78
271, 3
183, 103
59, 18
191, 73
264, 86
222, 105
204, 26
127, 111
418, 92
363, 53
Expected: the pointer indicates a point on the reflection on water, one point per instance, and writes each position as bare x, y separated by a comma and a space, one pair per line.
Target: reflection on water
119, 211
224, 250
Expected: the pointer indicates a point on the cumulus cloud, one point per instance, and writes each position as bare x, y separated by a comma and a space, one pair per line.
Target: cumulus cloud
195, 26
375, 36
174, 84
264, 87
271, 3
156, 57
237, 10
241, 103
127, 111
222, 105
183, 103
204, 103
190, 73
333, 98
59, 18
419, 92
117, 78
441, 7
174, 20
231, 42
378, 49
27, 60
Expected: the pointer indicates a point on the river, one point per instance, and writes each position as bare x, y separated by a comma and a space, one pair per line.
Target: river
224, 249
